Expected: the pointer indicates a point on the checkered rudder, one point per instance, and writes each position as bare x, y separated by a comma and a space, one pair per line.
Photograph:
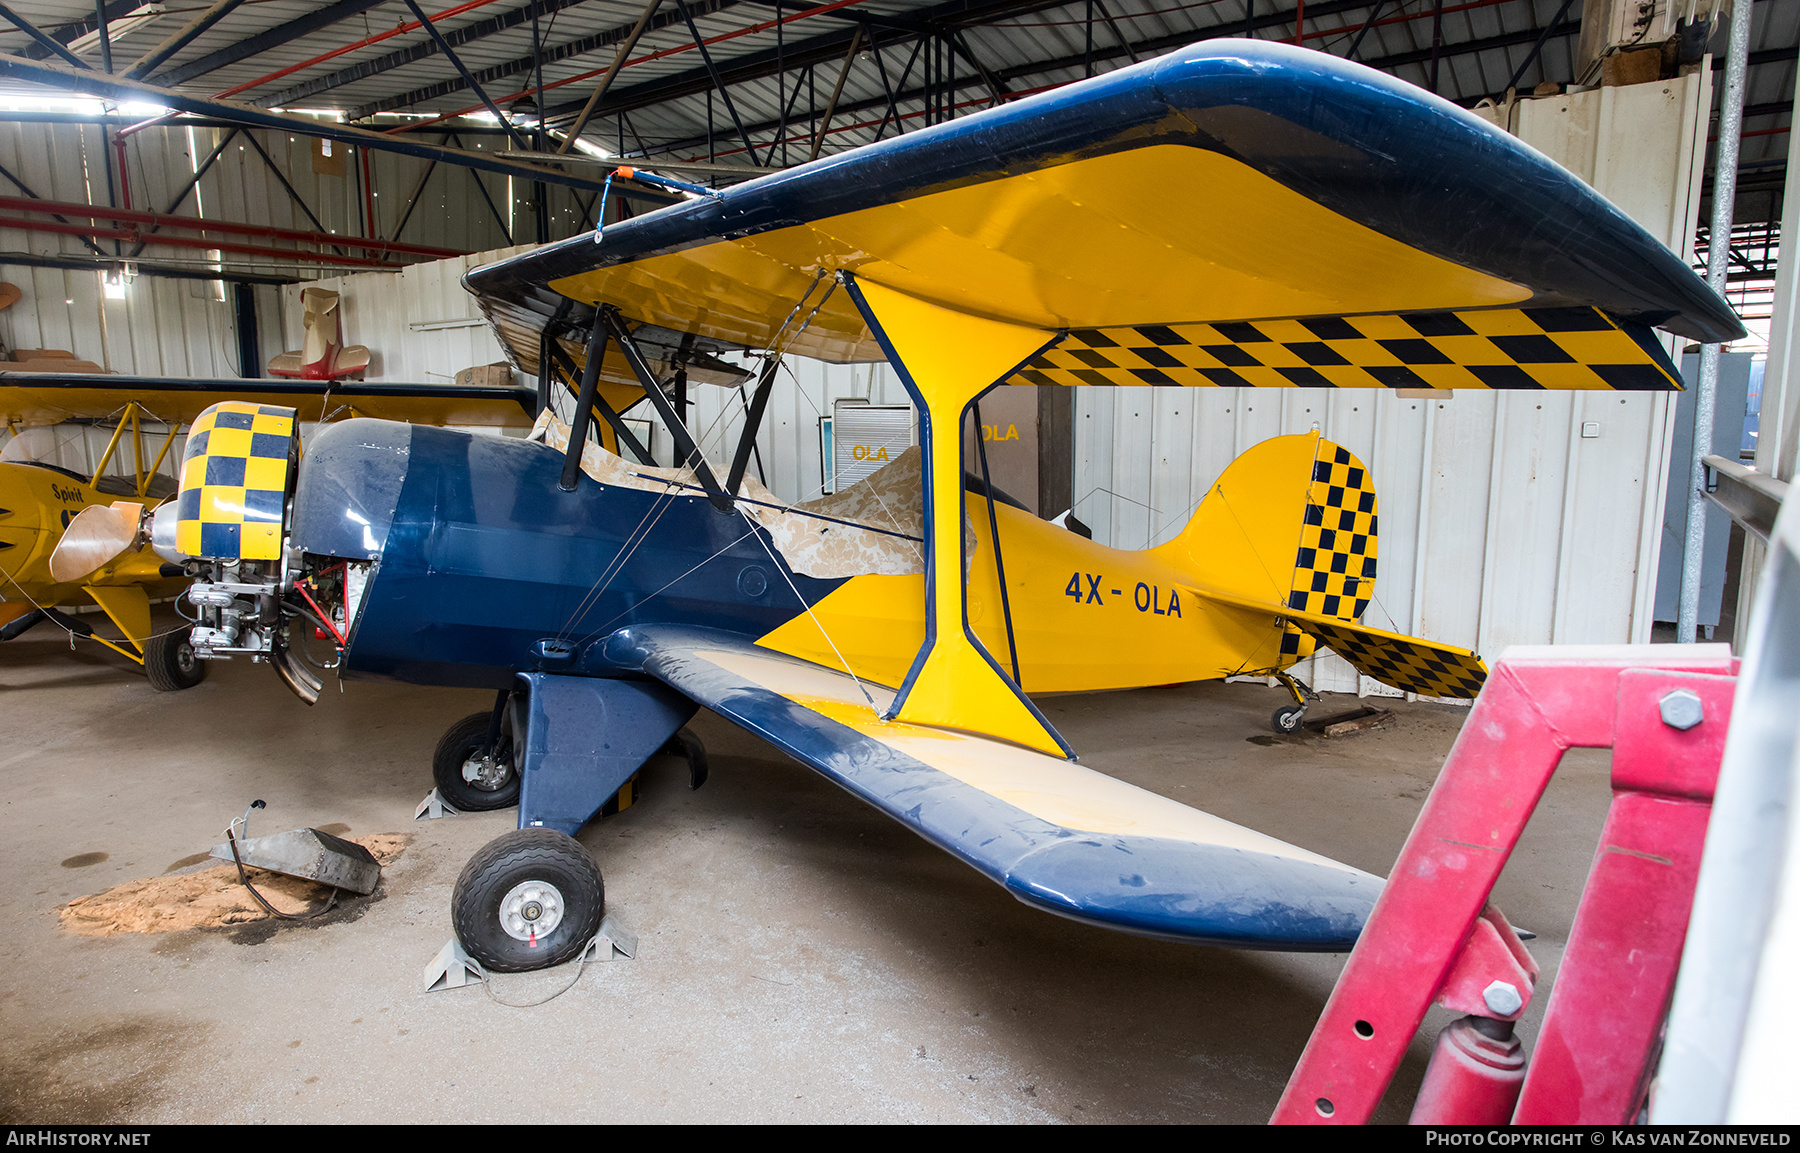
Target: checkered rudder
235, 476
1334, 570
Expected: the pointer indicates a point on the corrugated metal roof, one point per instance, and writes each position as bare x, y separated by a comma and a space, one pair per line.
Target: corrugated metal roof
1024, 45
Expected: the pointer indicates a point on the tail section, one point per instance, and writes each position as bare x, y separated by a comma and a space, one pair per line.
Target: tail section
1290, 528
1292, 521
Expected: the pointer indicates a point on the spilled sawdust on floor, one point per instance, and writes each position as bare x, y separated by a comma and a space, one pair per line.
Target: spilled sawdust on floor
208, 899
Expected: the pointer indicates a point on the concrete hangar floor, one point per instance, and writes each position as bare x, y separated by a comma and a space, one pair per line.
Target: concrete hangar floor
801, 958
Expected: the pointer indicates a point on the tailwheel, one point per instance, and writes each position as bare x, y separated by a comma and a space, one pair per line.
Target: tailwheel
1287, 718
528, 900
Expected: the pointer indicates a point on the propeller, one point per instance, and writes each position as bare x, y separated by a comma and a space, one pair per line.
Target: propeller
98, 534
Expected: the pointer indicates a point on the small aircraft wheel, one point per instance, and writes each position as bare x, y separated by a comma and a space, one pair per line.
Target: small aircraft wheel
1287, 718
528, 900
170, 663
470, 776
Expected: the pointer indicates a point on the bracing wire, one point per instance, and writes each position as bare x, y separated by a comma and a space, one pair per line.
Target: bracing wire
817, 623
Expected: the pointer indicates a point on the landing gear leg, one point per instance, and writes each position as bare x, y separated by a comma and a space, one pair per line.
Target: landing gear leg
475, 765
533, 898
1287, 718
688, 747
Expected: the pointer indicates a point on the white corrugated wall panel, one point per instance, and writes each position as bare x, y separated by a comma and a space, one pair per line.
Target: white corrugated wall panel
1501, 524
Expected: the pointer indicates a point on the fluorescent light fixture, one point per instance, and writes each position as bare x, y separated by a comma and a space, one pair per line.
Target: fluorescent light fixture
135, 20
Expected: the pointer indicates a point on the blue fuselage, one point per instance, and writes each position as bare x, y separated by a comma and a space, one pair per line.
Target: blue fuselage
484, 567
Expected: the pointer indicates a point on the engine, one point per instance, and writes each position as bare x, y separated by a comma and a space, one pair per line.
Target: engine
253, 590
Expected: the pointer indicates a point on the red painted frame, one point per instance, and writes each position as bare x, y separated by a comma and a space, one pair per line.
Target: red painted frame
1618, 972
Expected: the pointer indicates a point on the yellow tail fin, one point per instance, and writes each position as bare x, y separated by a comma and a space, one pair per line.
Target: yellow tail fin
1292, 522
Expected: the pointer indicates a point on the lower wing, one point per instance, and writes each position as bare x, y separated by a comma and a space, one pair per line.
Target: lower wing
1057, 836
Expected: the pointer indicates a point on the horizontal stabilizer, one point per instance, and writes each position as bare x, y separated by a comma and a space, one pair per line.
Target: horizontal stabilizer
1411, 664
1056, 835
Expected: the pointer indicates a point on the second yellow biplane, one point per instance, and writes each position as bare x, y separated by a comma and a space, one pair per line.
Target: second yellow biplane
59, 528
1234, 214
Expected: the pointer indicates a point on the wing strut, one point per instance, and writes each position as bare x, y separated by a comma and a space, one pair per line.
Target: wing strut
685, 449
584, 403
987, 482
740, 461
620, 428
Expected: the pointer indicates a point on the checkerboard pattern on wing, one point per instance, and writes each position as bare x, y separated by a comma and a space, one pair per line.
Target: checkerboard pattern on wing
1407, 663
234, 481
1529, 348
1334, 571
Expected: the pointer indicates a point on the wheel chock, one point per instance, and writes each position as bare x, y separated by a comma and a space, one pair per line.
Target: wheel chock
609, 940
433, 807
452, 969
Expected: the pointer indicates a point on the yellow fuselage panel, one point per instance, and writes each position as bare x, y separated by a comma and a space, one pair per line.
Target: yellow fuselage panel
1074, 246
1086, 617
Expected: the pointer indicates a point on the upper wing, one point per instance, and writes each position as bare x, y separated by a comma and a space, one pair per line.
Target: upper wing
1227, 182
1057, 836
50, 398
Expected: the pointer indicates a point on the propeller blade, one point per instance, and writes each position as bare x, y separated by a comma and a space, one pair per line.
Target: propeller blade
96, 535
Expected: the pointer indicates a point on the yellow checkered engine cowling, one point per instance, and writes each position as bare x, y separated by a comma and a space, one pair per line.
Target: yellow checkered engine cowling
235, 475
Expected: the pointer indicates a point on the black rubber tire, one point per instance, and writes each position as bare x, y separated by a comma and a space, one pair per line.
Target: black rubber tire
1287, 719
460, 742
506, 862
170, 663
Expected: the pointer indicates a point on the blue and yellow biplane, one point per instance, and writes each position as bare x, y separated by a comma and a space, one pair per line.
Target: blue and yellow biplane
1234, 214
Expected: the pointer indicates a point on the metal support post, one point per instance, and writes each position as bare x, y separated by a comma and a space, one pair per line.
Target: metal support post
1718, 259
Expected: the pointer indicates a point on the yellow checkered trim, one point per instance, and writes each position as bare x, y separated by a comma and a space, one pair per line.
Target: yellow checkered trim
1334, 570
234, 481
1521, 348
1407, 663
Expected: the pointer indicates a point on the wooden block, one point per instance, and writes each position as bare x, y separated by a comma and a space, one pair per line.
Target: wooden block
1354, 721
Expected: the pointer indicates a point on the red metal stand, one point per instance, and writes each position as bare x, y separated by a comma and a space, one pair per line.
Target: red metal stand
1428, 939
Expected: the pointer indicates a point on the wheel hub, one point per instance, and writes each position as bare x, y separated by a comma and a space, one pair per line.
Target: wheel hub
531, 910
486, 771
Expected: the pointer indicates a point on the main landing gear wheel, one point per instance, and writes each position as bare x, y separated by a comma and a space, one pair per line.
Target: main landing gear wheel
170, 663
1287, 718
528, 900
472, 777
